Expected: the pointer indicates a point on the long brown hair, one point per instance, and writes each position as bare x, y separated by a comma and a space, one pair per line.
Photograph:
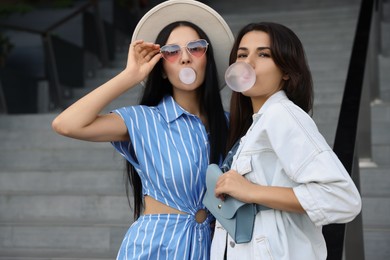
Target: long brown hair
288, 54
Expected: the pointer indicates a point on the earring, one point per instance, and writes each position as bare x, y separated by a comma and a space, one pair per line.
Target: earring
164, 76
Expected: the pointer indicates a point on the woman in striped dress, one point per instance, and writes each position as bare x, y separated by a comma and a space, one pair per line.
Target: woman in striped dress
176, 131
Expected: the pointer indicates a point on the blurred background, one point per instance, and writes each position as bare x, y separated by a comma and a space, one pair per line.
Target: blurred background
65, 199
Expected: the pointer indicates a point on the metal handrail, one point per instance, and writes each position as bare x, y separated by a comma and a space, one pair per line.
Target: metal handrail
56, 90
3, 103
371, 93
345, 241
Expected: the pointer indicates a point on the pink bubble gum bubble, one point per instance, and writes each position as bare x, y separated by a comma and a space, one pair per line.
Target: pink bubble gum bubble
240, 76
187, 75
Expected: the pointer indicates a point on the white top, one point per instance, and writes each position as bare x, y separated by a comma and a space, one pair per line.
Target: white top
283, 147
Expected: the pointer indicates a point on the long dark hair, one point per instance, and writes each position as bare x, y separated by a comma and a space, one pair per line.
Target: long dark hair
288, 54
157, 87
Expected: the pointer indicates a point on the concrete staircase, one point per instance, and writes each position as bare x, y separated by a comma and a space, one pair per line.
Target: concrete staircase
375, 181
59, 198
64, 199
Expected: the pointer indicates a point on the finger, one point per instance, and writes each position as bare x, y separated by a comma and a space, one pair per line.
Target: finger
221, 197
220, 180
149, 55
144, 48
147, 52
136, 43
155, 59
219, 191
146, 45
152, 45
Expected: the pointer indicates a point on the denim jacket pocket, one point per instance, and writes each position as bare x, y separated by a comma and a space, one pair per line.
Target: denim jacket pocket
244, 165
262, 249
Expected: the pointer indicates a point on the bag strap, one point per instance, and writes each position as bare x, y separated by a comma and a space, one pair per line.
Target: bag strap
261, 208
227, 163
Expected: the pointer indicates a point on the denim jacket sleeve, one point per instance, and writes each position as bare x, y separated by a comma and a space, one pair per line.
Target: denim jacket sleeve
323, 186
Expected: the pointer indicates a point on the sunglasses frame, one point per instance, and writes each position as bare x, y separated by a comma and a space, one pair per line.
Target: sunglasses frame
185, 47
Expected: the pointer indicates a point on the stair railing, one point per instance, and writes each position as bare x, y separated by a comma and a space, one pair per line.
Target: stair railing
3, 104
56, 91
353, 134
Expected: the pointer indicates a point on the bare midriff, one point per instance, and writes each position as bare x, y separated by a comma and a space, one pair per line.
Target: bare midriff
153, 206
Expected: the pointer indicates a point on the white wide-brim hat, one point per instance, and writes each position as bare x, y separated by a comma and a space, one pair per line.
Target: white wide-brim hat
205, 17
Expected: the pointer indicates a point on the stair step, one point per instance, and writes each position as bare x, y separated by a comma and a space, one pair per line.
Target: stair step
375, 181
324, 99
44, 150
324, 16
43, 138
380, 133
376, 244
376, 211
326, 113
385, 37
380, 112
98, 182
93, 242
53, 254
328, 131
31, 207
384, 75
274, 6
380, 154
131, 97
26, 121
83, 158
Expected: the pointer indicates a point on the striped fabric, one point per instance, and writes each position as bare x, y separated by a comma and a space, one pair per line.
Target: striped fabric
169, 149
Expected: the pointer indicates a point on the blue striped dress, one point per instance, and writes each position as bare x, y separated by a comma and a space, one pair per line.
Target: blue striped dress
169, 149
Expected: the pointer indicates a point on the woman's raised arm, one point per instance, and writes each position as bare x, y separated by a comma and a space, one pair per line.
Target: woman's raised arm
82, 120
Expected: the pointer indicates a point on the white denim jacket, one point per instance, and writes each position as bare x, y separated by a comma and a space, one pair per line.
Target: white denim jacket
283, 147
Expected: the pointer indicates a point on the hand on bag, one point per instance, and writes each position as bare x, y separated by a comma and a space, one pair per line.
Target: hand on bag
233, 184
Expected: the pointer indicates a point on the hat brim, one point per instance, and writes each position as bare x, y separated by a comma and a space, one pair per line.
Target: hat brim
205, 17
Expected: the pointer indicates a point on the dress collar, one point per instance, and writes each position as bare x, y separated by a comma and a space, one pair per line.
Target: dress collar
170, 110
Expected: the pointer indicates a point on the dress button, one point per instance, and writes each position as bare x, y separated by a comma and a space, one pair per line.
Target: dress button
232, 244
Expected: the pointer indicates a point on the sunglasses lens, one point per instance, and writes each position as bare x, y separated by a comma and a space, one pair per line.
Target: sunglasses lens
170, 52
197, 48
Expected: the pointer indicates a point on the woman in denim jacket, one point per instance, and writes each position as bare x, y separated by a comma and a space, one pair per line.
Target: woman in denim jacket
282, 162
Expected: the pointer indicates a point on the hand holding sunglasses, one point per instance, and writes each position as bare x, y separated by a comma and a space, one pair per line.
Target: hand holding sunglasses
172, 52
142, 58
